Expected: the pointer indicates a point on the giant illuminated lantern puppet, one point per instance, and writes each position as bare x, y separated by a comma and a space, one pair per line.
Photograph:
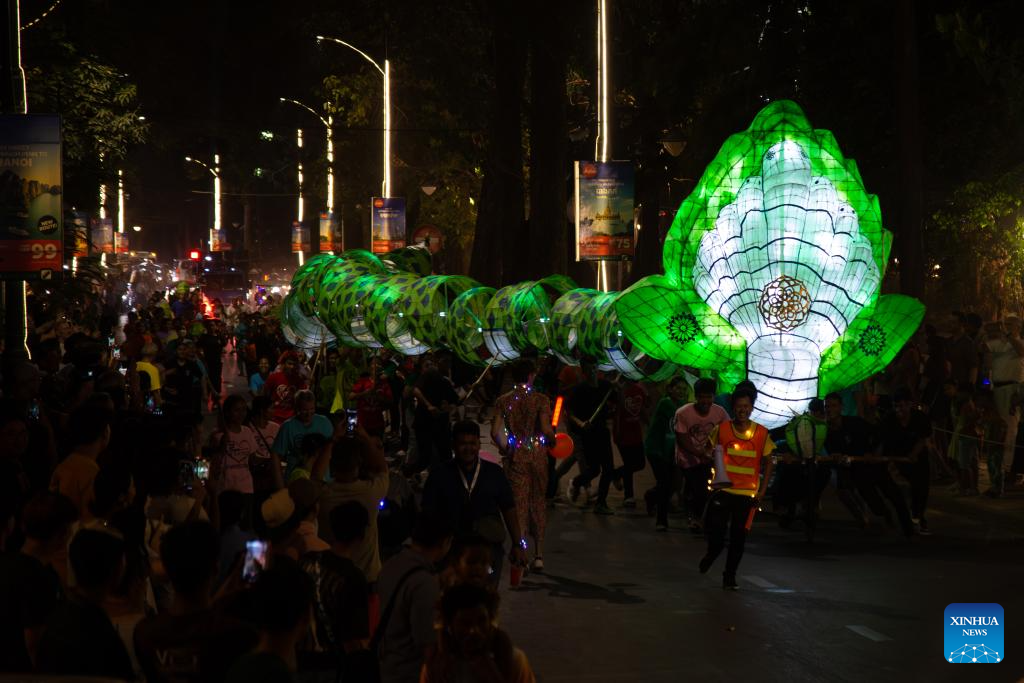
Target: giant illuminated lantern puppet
773, 268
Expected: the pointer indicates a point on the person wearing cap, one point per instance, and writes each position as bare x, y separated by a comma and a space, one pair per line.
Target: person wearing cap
291, 518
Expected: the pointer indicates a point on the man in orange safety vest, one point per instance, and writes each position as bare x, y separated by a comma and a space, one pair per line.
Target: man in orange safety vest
740, 447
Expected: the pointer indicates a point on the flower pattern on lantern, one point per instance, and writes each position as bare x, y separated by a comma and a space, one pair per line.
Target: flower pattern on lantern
784, 303
872, 340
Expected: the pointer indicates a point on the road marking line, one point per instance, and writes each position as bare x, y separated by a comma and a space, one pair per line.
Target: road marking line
759, 582
868, 633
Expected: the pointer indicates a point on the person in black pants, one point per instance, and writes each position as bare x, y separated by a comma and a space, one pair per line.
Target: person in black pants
587, 411
905, 435
851, 436
660, 449
745, 446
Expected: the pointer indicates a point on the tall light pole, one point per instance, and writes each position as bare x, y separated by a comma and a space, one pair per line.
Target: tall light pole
215, 172
601, 141
329, 125
385, 72
298, 139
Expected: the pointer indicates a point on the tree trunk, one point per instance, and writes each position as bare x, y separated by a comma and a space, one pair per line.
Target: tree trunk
549, 141
908, 124
499, 225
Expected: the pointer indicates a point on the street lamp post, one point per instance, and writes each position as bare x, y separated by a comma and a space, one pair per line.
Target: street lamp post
301, 213
385, 72
328, 125
215, 172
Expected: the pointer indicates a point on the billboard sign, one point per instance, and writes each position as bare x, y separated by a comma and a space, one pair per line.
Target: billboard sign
605, 228
387, 224
31, 217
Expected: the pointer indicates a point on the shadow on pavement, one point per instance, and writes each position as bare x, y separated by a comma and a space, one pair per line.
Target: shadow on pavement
564, 587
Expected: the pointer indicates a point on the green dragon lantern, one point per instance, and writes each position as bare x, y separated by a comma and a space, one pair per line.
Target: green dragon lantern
772, 271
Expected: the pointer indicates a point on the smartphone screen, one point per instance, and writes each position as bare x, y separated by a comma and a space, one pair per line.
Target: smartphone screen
350, 416
255, 560
186, 474
202, 470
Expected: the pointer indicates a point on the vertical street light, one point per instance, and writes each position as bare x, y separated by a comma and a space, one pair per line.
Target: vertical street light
385, 72
329, 125
601, 140
120, 201
298, 139
215, 172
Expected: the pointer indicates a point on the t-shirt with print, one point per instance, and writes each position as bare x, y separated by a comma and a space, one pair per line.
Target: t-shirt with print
239, 448
281, 389
191, 648
629, 415
695, 430
368, 493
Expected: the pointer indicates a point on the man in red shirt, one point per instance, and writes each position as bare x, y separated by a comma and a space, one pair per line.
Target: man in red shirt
628, 433
281, 386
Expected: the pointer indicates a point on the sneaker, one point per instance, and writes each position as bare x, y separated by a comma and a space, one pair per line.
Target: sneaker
602, 509
538, 565
729, 582
922, 528
629, 503
705, 564
661, 527
573, 492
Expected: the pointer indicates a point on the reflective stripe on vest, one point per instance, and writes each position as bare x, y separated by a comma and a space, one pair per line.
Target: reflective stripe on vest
742, 458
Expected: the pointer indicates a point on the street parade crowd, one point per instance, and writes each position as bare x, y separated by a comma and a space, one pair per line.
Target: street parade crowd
184, 496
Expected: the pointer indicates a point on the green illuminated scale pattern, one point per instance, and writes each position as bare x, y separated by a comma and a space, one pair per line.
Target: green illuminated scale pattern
772, 271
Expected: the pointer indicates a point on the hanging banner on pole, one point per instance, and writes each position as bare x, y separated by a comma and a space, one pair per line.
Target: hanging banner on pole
300, 238
330, 236
102, 235
387, 224
79, 234
605, 229
31, 231
219, 241
120, 243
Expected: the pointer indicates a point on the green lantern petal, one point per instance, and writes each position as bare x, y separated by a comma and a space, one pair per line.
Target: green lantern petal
870, 343
673, 325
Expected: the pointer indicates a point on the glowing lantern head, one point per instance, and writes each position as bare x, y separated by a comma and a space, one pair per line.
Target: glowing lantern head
772, 272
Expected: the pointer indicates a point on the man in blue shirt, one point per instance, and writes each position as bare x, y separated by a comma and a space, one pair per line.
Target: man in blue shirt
288, 444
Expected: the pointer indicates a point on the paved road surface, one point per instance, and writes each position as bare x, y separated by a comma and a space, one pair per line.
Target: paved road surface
619, 602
